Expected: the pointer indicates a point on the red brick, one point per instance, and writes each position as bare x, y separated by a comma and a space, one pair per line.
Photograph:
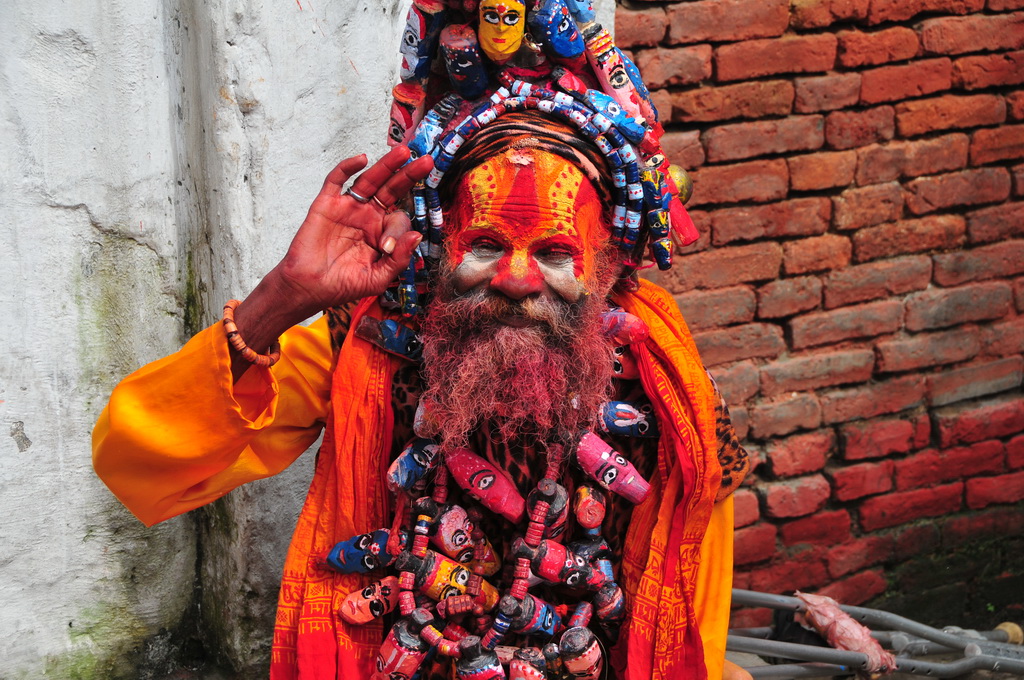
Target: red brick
928, 349
824, 529
975, 422
742, 100
788, 54
1018, 179
754, 544
981, 71
803, 571
719, 20
825, 328
857, 589
912, 541
876, 280
880, 47
996, 223
1015, 453
973, 302
821, 13
819, 253
800, 454
932, 467
849, 129
1018, 294
720, 307
758, 181
858, 554
881, 512
817, 370
666, 66
1005, 5
1015, 105
878, 399
797, 217
894, 83
748, 618
741, 423
909, 236
738, 382
948, 112
986, 491
996, 261
787, 297
856, 208
744, 140
827, 93
997, 144
746, 510
821, 170
784, 415
728, 266
701, 220
857, 481
996, 523
683, 148
900, 10
976, 380
966, 187
639, 27
1002, 339
957, 35
884, 162
796, 497
884, 436
739, 342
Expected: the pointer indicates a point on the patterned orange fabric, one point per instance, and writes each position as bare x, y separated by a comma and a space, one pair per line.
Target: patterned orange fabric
661, 554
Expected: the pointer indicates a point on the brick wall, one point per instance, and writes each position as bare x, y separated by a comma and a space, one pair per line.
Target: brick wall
858, 287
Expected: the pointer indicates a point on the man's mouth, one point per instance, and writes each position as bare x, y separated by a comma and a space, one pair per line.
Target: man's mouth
518, 320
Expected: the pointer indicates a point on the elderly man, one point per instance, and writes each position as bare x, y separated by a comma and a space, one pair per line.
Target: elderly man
545, 398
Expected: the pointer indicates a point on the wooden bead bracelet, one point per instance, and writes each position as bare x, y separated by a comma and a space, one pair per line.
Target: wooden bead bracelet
236, 341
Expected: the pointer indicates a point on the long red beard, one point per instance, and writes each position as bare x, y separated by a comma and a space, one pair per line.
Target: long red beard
542, 380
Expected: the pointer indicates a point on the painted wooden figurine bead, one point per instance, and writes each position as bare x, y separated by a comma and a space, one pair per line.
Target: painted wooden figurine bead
461, 49
485, 484
476, 662
403, 651
416, 459
610, 469
372, 602
581, 654
363, 553
439, 577
502, 26
423, 26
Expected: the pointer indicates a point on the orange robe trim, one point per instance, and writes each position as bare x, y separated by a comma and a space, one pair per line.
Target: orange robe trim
662, 550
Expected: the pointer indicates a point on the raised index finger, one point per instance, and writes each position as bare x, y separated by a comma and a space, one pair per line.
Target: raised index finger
376, 175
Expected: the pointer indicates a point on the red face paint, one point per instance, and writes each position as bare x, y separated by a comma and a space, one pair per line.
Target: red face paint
526, 223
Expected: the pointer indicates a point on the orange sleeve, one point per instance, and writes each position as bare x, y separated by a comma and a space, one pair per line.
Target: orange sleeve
179, 433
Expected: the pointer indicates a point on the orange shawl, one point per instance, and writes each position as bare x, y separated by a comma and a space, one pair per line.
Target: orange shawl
347, 497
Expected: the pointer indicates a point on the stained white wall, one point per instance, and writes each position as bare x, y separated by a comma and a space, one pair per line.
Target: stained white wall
155, 158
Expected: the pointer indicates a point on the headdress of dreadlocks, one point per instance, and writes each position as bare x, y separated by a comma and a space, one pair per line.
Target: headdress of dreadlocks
501, 93
469, 63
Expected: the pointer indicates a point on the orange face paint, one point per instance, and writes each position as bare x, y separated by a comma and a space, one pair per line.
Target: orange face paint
526, 222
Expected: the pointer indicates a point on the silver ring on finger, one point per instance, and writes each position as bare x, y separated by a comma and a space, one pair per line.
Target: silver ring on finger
357, 197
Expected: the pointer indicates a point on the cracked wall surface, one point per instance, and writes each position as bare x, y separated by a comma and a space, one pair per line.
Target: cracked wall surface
159, 155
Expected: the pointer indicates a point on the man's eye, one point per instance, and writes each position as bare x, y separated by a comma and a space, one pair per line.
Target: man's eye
555, 256
487, 249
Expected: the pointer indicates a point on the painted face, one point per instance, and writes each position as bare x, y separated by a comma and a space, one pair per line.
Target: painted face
414, 34
526, 223
401, 340
462, 58
363, 553
582, 10
502, 24
411, 464
482, 482
453, 536
406, 109
372, 602
553, 23
630, 420
610, 469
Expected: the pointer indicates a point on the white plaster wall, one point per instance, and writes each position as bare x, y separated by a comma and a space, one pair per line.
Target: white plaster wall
155, 158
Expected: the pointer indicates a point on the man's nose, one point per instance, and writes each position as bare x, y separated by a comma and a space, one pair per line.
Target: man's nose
518, 278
